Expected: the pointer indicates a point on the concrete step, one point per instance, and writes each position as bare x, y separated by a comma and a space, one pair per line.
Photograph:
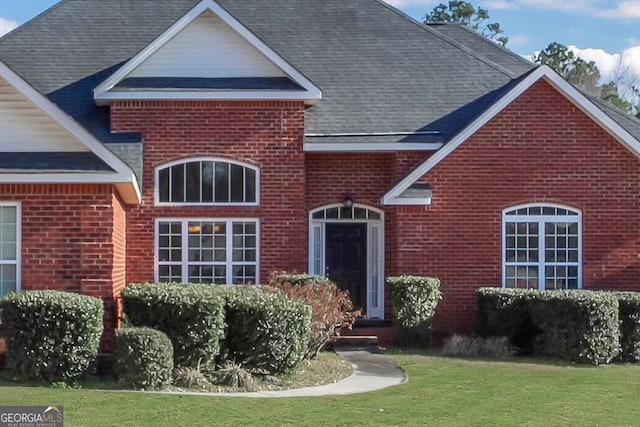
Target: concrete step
356, 341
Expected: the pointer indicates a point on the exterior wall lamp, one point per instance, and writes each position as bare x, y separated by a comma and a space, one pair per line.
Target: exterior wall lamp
348, 201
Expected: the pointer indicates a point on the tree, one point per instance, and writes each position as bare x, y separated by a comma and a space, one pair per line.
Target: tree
622, 91
574, 69
464, 13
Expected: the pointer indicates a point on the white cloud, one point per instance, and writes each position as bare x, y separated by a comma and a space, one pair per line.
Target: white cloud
498, 4
410, 3
621, 9
625, 9
622, 68
519, 40
6, 25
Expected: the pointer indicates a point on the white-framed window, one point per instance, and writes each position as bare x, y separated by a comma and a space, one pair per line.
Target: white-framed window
207, 181
207, 250
542, 247
10, 247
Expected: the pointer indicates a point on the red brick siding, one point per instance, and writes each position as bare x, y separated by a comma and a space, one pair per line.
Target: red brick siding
366, 177
543, 149
267, 134
67, 239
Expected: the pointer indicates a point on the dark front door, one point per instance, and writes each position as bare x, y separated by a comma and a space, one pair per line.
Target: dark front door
346, 259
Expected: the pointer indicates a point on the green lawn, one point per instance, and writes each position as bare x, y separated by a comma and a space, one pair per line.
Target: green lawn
441, 391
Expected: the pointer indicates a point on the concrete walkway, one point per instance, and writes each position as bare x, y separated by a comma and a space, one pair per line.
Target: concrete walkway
371, 371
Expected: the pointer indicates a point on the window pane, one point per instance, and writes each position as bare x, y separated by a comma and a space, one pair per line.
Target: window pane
244, 274
237, 183
193, 182
250, 185
222, 183
374, 215
177, 184
170, 273
207, 182
332, 213
163, 184
8, 279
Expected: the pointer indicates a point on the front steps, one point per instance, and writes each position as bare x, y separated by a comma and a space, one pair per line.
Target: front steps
369, 332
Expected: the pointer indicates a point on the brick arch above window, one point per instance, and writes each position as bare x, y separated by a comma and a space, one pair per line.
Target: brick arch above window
207, 181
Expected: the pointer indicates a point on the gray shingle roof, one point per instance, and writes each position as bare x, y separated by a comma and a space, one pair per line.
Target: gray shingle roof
379, 70
504, 58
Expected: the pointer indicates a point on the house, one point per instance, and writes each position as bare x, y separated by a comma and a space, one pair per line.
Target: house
217, 141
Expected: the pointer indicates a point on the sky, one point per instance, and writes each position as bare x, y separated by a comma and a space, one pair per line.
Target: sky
604, 31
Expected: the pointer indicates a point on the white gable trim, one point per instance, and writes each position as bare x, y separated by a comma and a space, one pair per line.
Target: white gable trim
311, 93
123, 173
542, 72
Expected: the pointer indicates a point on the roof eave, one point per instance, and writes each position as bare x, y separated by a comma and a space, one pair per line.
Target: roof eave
310, 98
127, 187
545, 73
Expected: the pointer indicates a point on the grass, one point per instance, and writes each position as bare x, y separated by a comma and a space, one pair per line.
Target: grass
441, 392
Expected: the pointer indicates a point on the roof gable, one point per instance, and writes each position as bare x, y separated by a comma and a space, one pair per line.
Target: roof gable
207, 54
26, 128
111, 169
393, 196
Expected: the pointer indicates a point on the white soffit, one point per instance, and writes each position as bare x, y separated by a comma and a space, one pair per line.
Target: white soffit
207, 42
26, 128
207, 47
544, 72
123, 177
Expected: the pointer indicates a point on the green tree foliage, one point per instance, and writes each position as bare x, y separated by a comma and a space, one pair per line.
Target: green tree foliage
586, 75
574, 69
465, 13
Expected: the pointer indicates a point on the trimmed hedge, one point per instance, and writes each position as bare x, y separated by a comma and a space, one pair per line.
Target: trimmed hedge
577, 325
505, 312
331, 308
51, 335
266, 332
143, 358
414, 300
629, 305
192, 316
581, 326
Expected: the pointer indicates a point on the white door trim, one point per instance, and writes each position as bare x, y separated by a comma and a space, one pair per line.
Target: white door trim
375, 261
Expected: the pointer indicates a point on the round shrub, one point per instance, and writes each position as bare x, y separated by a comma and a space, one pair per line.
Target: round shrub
191, 315
51, 335
629, 304
266, 332
414, 300
143, 358
577, 325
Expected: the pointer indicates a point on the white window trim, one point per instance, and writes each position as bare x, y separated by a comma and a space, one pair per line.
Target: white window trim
185, 261
541, 219
314, 223
18, 260
156, 191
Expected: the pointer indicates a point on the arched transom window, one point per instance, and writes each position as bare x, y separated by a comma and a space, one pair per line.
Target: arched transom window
207, 182
542, 247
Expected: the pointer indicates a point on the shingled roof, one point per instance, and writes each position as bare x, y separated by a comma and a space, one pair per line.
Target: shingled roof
380, 71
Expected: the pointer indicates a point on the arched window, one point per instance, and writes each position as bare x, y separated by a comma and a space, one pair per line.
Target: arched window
542, 247
207, 182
